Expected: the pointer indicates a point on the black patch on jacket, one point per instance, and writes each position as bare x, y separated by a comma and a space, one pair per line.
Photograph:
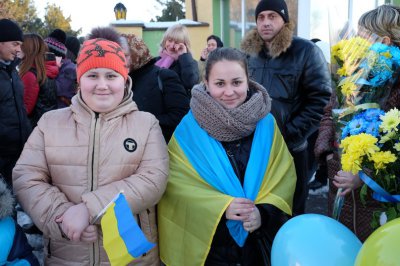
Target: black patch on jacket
130, 145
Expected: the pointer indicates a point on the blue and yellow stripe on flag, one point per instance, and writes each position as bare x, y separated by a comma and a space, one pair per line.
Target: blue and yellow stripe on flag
123, 240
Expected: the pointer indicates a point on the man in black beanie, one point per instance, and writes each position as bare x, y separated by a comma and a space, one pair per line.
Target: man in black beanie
14, 123
295, 73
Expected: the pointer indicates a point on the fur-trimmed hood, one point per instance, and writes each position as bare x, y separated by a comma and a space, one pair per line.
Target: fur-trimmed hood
252, 43
6, 200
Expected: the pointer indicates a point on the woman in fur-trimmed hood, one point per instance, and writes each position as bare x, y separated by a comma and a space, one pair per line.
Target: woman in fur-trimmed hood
296, 76
13, 242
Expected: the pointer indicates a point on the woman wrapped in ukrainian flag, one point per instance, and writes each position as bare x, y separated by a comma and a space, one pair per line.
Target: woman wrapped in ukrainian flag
232, 177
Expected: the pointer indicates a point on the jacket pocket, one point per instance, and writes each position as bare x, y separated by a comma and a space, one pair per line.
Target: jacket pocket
284, 87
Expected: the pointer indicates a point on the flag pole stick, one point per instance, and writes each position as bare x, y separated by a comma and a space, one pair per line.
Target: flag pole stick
101, 213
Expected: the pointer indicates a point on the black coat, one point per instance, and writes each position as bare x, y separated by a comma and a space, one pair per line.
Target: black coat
14, 124
188, 71
224, 250
160, 92
298, 82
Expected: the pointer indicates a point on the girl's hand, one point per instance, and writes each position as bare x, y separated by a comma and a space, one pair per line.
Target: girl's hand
239, 209
254, 221
74, 221
89, 235
347, 181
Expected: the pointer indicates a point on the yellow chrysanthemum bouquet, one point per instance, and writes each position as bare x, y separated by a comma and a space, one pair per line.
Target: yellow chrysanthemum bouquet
371, 148
363, 73
362, 69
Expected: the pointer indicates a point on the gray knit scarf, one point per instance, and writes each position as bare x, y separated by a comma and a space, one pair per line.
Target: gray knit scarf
229, 124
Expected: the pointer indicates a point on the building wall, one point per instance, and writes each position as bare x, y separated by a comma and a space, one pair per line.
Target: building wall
224, 19
137, 30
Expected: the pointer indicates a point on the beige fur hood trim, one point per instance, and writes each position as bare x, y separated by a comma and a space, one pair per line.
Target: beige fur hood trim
252, 43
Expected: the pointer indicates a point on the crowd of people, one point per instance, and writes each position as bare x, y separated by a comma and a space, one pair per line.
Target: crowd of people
213, 156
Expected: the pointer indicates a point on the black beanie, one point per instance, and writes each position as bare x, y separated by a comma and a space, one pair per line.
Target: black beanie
73, 45
279, 6
217, 40
59, 35
10, 31
56, 42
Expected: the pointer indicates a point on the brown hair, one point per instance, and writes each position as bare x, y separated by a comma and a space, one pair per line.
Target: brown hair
227, 54
34, 49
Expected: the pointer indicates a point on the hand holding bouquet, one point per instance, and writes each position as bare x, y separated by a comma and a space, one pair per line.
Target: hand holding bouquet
371, 147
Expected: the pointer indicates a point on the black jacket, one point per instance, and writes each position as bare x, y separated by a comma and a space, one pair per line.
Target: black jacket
46, 101
160, 92
224, 250
188, 71
296, 77
14, 124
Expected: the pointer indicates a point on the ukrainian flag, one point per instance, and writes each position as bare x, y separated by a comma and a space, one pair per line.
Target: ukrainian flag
194, 202
123, 240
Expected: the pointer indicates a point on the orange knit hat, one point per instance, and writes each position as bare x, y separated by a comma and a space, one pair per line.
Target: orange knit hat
101, 53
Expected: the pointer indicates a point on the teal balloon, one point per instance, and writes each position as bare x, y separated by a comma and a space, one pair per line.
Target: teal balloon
314, 240
382, 246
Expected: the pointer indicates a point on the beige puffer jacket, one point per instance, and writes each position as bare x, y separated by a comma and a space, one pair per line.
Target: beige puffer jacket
75, 156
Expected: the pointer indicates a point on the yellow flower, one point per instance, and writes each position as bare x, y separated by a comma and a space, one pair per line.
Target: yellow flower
355, 148
382, 158
362, 143
390, 120
350, 164
348, 88
342, 71
349, 52
387, 54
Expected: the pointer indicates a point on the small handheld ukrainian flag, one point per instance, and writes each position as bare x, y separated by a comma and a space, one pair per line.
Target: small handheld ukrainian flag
123, 240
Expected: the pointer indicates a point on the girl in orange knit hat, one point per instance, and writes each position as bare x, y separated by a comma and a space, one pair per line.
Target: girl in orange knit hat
78, 158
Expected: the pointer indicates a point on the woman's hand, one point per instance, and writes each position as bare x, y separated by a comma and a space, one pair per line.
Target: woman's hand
254, 221
74, 221
240, 209
180, 48
204, 54
347, 181
89, 235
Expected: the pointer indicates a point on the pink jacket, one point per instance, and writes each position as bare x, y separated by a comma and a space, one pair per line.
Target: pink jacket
75, 156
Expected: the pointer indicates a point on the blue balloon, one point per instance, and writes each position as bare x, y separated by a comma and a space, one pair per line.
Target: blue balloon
314, 240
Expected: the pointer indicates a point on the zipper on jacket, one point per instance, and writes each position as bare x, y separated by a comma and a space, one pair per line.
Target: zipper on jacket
48, 249
148, 216
94, 144
18, 111
140, 226
233, 162
138, 221
92, 177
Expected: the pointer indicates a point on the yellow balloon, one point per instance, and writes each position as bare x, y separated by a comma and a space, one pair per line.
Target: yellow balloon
382, 247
